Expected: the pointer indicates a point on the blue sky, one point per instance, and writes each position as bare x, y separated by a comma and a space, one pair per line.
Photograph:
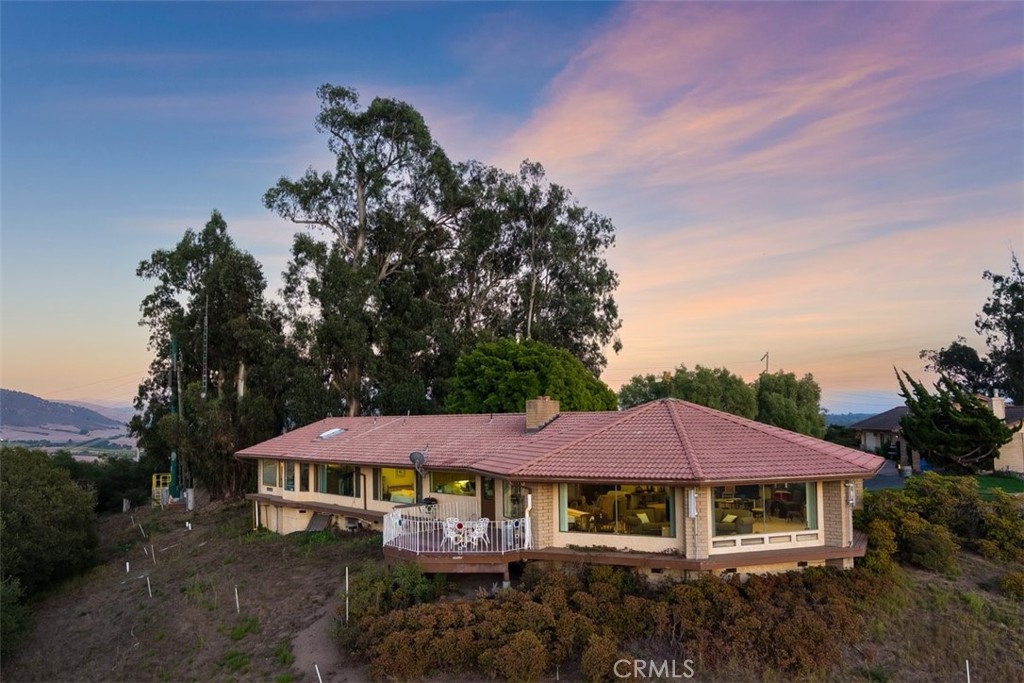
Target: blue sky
823, 181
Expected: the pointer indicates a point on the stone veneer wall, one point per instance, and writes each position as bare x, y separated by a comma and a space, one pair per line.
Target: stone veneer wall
542, 515
696, 547
836, 515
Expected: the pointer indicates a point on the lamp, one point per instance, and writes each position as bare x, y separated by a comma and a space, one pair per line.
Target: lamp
851, 494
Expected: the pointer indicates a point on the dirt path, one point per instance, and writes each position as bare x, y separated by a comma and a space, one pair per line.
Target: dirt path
315, 647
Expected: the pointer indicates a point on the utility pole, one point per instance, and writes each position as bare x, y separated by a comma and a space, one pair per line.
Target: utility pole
765, 359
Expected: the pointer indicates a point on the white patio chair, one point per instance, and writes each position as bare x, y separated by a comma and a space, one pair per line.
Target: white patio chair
451, 533
479, 532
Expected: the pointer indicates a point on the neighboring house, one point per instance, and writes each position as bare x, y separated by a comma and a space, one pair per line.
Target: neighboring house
1011, 455
880, 431
883, 430
667, 485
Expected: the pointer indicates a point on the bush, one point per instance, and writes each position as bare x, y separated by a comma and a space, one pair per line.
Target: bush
599, 658
928, 546
1003, 527
14, 615
522, 658
1012, 585
882, 547
48, 523
794, 625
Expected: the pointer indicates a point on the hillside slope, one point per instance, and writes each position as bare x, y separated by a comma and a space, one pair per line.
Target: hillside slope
109, 627
18, 409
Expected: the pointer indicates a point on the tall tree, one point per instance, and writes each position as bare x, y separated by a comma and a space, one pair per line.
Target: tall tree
411, 260
951, 428
790, 403
209, 296
712, 387
1001, 323
528, 262
564, 285
500, 376
384, 208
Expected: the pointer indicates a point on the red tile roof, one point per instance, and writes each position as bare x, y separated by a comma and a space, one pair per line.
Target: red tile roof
663, 441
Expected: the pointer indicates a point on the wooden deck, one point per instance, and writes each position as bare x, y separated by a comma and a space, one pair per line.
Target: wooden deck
490, 562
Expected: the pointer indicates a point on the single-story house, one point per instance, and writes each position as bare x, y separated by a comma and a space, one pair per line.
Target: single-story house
883, 430
878, 432
664, 486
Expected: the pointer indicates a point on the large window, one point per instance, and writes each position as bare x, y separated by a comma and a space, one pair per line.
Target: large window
455, 483
289, 476
617, 509
765, 508
396, 485
338, 480
269, 472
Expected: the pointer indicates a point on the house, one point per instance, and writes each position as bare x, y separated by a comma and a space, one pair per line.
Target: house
879, 432
1011, 455
664, 486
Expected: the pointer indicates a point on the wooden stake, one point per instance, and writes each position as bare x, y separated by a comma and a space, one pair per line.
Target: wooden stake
238, 608
150, 587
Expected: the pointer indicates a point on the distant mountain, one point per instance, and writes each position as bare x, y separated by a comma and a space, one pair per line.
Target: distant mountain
846, 419
18, 409
122, 414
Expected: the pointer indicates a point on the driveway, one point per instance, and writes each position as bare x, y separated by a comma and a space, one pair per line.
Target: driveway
887, 478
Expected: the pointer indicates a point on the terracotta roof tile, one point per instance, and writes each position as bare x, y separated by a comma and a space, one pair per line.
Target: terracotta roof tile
666, 440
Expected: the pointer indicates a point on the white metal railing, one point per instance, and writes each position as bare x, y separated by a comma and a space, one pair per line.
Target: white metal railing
445, 528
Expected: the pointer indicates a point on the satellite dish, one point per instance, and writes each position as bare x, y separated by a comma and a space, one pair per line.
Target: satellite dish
417, 458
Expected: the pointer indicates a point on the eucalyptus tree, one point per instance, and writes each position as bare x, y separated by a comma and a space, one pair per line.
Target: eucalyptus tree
405, 259
531, 263
378, 222
231, 373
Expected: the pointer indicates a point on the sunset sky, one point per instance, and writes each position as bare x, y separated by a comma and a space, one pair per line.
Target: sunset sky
822, 181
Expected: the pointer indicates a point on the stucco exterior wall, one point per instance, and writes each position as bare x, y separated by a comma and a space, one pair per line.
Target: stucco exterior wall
1011, 455
283, 520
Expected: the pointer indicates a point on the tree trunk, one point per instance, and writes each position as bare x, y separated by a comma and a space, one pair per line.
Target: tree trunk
352, 389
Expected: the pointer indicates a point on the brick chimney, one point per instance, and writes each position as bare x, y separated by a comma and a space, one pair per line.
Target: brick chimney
539, 412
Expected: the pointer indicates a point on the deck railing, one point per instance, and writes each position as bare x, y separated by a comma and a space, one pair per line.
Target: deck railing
453, 528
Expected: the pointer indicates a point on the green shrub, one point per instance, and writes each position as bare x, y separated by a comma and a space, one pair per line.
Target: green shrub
1003, 527
882, 547
1012, 585
47, 521
14, 616
928, 546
